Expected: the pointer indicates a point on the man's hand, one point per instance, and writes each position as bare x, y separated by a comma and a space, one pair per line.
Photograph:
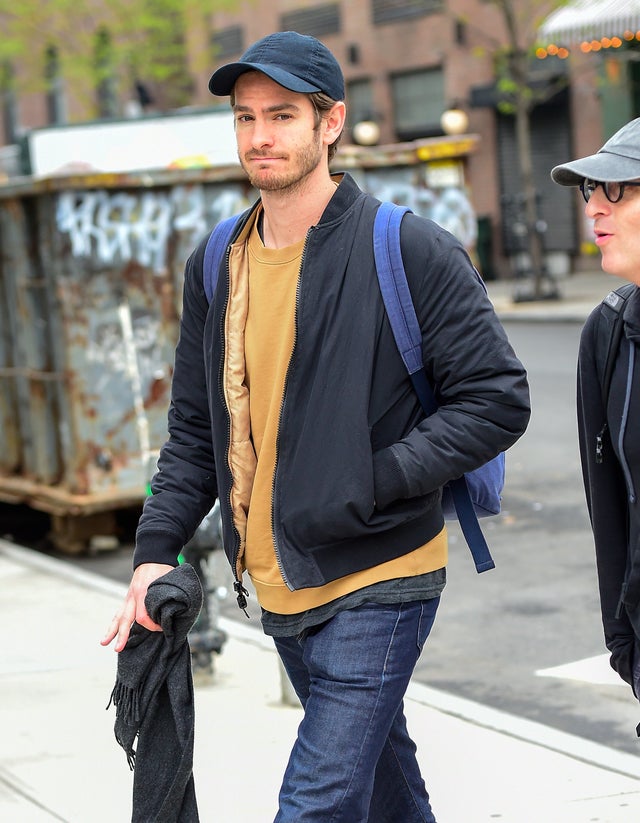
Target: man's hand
133, 608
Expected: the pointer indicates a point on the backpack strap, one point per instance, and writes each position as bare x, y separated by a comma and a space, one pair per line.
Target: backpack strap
214, 251
394, 287
408, 337
610, 328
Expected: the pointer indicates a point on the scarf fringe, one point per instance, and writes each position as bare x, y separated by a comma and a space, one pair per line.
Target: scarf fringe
127, 703
130, 752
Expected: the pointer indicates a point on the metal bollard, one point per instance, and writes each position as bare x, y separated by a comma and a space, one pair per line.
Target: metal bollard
288, 696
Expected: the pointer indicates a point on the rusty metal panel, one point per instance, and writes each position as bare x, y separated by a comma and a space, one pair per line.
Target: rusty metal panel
91, 294
9, 432
28, 374
91, 270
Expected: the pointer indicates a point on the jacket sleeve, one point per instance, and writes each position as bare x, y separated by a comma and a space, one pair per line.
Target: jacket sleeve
480, 385
607, 505
184, 486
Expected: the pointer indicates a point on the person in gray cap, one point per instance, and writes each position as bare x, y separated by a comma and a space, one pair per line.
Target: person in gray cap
608, 390
290, 403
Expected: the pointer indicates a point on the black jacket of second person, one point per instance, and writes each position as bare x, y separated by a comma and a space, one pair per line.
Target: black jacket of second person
609, 437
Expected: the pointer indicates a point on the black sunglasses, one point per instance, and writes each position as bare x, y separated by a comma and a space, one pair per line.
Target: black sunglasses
613, 191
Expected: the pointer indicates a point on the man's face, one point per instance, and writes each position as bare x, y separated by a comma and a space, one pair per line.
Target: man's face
279, 145
617, 231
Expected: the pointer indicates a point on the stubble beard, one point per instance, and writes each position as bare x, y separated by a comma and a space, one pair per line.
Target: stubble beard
288, 181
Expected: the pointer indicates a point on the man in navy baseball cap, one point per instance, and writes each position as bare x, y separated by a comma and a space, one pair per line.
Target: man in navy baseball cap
298, 62
291, 406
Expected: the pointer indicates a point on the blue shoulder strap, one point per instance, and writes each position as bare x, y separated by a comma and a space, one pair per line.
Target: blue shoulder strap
214, 252
408, 337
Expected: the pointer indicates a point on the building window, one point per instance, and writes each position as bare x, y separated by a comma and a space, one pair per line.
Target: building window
227, 43
460, 33
418, 99
103, 67
393, 11
359, 102
55, 86
317, 21
9, 103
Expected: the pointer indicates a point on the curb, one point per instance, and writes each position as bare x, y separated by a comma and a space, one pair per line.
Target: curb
479, 715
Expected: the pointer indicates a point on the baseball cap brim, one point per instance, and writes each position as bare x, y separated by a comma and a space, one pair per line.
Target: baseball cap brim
602, 166
223, 80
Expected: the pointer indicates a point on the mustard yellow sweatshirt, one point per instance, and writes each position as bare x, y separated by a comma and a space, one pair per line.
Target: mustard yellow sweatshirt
269, 340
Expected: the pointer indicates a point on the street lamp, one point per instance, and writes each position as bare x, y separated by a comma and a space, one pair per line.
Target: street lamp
366, 133
454, 121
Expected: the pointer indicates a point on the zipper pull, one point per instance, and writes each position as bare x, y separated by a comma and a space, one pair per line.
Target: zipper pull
598, 448
600, 444
241, 596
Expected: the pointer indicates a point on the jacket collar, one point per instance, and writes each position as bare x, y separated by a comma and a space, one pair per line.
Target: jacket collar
632, 317
344, 197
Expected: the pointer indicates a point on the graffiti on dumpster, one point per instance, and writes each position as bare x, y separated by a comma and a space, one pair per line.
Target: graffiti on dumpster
109, 343
119, 226
114, 227
448, 206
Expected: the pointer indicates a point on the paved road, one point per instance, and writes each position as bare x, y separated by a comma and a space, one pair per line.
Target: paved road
538, 609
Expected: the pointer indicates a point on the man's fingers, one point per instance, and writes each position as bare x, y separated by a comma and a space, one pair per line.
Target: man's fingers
121, 624
142, 617
133, 608
111, 632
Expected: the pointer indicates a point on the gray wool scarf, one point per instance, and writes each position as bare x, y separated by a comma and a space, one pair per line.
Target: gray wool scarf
154, 701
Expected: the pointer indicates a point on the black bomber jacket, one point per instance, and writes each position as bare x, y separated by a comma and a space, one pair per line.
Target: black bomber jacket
609, 440
359, 469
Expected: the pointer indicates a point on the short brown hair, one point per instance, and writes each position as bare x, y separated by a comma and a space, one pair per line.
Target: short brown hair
322, 104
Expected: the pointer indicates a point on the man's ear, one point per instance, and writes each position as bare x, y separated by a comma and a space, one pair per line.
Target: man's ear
334, 122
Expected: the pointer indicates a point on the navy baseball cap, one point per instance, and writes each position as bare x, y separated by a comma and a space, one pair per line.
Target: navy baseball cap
296, 61
618, 160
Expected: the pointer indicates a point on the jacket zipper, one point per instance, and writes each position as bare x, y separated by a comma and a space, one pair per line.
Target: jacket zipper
239, 589
625, 470
623, 426
624, 465
600, 437
280, 416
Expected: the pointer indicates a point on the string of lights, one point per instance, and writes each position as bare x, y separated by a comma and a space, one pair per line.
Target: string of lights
587, 46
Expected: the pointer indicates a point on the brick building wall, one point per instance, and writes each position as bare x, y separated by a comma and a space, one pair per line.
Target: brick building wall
456, 37
378, 53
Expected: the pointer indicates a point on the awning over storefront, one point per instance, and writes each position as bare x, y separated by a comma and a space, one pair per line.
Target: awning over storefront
582, 20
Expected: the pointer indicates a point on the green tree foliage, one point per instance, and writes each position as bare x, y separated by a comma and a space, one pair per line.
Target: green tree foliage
515, 57
104, 44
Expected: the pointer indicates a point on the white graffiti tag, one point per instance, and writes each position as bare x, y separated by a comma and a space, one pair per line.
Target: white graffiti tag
118, 226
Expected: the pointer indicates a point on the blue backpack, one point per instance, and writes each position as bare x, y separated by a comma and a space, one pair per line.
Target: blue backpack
476, 494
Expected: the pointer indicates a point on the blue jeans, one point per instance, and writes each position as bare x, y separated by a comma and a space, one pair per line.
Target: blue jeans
353, 760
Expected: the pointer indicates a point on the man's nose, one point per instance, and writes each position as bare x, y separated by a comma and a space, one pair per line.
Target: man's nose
262, 134
598, 203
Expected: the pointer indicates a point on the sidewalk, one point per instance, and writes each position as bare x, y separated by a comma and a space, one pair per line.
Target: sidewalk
59, 760
579, 294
